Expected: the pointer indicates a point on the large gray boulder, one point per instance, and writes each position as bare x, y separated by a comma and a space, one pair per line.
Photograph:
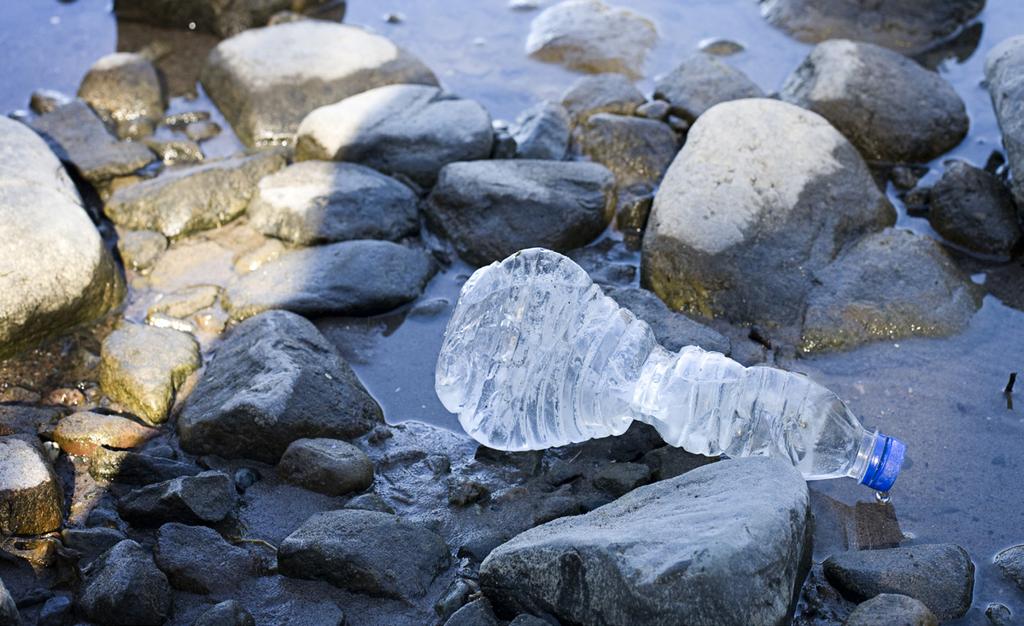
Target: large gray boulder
265, 80
273, 380
700, 82
1004, 71
57, 273
727, 543
213, 16
887, 105
412, 130
123, 587
490, 209
31, 497
762, 194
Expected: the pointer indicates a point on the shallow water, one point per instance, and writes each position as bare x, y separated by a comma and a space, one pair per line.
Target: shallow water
942, 396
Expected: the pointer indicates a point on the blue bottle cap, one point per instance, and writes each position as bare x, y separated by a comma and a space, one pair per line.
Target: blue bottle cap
884, 463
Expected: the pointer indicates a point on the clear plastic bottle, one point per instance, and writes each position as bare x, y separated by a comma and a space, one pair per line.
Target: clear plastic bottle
536, 356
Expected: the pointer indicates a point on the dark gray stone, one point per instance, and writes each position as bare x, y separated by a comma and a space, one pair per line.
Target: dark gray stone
892, 609
212, 16
31, 496
365, 552
542, 132
328, 466
198, 560
9, 615
1011, 562
669, 461
636, 150
91, 542
525, 619
57, 611
476, 613
490, 209
974, 210
617, 479
700, 82
205, 498
369, 502
227, 613
604, 93
740, 559
124, 87
1003, 68
273, 380
123, 587
133, 468
939, 575
672, 330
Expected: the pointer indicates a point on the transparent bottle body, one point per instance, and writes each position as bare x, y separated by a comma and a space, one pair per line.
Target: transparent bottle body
537, 356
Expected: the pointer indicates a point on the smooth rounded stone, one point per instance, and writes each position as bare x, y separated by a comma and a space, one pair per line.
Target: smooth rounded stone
186, 301
998, 614
189, 199
176, 151
212, 16
476, 613
57, 272
590, 36
940, 575
907, 26
124, 87
743, 216
490, 209
57, 611
888, 285
617, 479
700, 82
198, 560
227, 613
672, 330
205, 498
361, 277
887, 105
412, 130
266, 80
81, 433
974, 210
654, 110
604, 93
90, 543
9, 615
202, 130
636, 150
366, 552
328, 466
140, 249
892, 609
273, 380
133, 468
314, 202
46, 100
142, 368
1004, 67
742, 555
542, 132
33, 502
123, 587
1011, 562
525, 619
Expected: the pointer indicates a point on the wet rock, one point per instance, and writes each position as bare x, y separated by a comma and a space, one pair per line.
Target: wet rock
617, 479
46, 100
998, 614
365, 552
57, 272
673, 330
124, 87
266, 80
123, 587
315, 202
654, 110
33, 502
198, 560
891, 608
542, 132
939, 575
176, 151
1011, 562
490, 209
273, 380
742, 218
361, 277
186, 301
210, 16
81, 433
720, 47
227, 613
369, 502
133, 468
79, 137
140, 249
205, 498
974, 210
739, 561
888, 106
668, 462
476, 613
700, 82
636, 150
189, 199
57, 611
202, 130
90, 543
909, 26
412, 130
590, 36
328, 466
887, 285
604, 93
142, 367
1003, 67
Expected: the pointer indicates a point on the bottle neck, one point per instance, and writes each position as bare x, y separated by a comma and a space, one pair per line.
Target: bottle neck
864, 452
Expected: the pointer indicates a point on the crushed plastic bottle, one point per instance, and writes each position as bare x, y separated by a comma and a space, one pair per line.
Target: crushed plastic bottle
537, 356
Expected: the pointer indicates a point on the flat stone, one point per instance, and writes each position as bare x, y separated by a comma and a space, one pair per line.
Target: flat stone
672, 330
315, 202
227, 613
1003, 67
700, 82
894, 609
33, 502
212, 16
198, 560
366, 552
604, 93
189, 199
411, 130
124, 87
743, 553
1011, 562
133, 468
888, 285
81, 433
974, 210
888, 106
186, 301
360, 277
636, 150
176, 151
140, 249
490, 209
274, 379
542, 132
590, 36
328, 466
205, 498
123, 587
142, 367
265, 80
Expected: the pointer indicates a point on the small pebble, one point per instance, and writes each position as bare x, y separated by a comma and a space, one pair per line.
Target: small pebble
245, 477
720, 47
394, 18
202, 130
654, 110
